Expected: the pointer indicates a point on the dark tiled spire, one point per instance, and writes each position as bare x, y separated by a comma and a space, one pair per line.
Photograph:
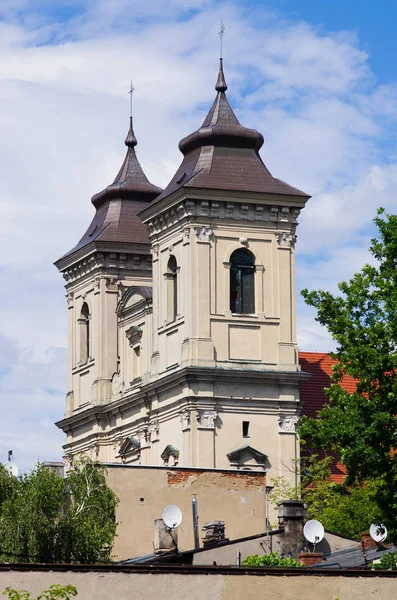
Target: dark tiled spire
130, 140
131, 182
221, 126
224, 155
116, 218
221, 85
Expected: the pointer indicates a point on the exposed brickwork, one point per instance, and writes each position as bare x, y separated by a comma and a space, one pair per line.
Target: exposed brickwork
311, 558
247, 478
367, 541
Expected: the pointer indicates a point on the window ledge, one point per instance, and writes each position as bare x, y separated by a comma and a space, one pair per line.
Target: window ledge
169, 325
83, 366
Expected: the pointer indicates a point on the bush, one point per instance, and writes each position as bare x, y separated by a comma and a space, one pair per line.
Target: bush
270, 560
54, 592
388, 561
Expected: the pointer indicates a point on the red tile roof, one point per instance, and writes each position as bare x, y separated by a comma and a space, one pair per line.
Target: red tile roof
313, 397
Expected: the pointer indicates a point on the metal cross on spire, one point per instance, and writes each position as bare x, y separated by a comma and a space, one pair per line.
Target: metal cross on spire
221, 33
130, 93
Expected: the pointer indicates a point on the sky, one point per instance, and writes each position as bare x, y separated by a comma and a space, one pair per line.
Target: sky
318, 79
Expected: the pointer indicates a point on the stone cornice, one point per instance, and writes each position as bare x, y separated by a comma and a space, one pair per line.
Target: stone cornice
213, 195
199, 210
85, 253
178, 377
107, 261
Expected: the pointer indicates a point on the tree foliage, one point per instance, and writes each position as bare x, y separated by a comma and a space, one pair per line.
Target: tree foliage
270, 560
342, 510
54, 592
44, 518
362, 426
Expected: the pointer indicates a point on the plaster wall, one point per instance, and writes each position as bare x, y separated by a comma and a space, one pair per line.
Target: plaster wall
230, 496
93, 585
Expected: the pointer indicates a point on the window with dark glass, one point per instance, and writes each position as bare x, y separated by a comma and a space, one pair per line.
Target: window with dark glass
172, 291
242, 270
84, 324
246, 428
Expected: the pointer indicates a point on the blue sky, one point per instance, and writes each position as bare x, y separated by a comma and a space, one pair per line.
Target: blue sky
318, 79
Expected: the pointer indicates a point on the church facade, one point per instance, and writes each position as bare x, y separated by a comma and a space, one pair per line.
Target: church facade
181, 304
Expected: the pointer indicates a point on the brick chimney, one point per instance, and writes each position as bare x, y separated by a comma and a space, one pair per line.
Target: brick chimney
290, 515
311, 558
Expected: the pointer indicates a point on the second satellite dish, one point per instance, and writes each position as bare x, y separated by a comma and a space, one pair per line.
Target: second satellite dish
11, 469
313, 531
172, 516
378, 533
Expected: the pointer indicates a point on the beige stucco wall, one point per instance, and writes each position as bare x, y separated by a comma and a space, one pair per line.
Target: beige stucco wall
236, 498
162, 586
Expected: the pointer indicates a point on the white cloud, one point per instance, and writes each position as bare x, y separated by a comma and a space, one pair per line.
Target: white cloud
63, 112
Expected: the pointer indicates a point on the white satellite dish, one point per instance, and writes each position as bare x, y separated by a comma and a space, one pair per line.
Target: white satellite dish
313, 531
378, 533
11, 468
172, 516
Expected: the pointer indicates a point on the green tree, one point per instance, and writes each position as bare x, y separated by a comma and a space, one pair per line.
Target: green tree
44, 518
362, 426
346, 511
54, 592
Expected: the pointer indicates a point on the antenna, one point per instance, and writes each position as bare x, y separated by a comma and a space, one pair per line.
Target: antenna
313, 532
378, 533
221, 33
172, 516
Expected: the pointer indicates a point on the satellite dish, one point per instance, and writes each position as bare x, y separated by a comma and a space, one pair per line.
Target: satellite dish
172, 516
313, 531
378, 533
11, 468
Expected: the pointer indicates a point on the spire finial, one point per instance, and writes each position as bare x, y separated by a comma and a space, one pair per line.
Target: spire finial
130, 140
221, 82
221, 33
131, 90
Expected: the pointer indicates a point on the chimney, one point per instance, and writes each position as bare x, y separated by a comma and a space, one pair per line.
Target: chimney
165, 539
290, 515
213, 532
311, 558
367, 541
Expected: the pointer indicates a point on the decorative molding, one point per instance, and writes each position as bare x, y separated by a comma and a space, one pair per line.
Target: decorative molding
285, 240
93, 452
154, 431
97, 284
287, 423
168, 453
144, 437
203, 234
154, 251
69, 299
186, 235
111, 284
117, 384
206, 419
134, 335
184, 417
221, 210
102, 260
118, 442
243, 241
68, 462
170, 248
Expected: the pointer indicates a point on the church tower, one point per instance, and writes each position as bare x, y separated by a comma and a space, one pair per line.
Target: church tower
188, 357
225, 357
113, 255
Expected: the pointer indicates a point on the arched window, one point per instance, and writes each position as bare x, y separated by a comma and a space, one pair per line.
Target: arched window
84, 324
242, 292
172, 289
